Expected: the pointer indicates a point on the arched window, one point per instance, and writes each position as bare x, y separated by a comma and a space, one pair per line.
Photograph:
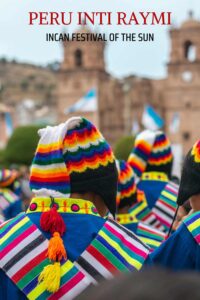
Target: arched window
78, 58
190, 51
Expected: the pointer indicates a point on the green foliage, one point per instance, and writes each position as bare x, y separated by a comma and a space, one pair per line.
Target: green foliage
123, 147
2, 154
24, 84
22, 145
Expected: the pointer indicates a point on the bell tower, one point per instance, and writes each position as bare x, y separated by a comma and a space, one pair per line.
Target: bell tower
181, 95
83, 54
185, 50
82, 69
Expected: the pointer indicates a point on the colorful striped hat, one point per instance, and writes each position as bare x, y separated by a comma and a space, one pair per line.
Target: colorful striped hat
126, 192
151, 152
190, 176
7, 177
74, 157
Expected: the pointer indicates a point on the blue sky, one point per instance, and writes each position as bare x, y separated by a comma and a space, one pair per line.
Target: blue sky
27, 44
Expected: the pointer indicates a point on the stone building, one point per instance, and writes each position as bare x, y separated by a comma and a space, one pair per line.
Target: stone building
82, 69
122, 101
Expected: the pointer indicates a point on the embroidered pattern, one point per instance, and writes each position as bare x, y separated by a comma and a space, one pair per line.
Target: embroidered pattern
63, 205
158, 176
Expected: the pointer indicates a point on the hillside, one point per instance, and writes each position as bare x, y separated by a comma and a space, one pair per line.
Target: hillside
25, 81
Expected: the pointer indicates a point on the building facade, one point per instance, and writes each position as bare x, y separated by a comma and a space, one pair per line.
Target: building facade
120, 102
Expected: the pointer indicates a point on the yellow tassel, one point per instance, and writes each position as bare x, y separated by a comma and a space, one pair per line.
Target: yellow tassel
50, 277
56, 249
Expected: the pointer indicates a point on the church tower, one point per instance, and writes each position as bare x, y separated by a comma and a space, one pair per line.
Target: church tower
181, 95
81, 71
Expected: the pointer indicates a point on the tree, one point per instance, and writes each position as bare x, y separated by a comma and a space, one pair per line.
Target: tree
123, 147
2, 154
22, 145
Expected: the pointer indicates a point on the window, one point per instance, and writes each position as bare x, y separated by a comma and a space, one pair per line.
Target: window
186, 136
190, 51
78, 58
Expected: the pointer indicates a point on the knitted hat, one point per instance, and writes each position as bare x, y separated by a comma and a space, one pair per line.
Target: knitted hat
152, 152
190, 178
7, 177
126, 192
74, 157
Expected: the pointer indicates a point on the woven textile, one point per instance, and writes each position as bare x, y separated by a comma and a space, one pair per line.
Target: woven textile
7, 197
148, 234
23, 257
165, 207
114, 250
143, 213
193, 224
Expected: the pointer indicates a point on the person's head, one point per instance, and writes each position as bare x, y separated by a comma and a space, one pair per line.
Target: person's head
151, 152
153, 284
7, 178
181, 214
190, 179
74, 158
127, 191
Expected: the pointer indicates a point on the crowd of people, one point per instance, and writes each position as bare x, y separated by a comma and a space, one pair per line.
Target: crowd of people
80, 217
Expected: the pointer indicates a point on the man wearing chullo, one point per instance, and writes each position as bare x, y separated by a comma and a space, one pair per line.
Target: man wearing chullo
127, 198
182, 250
151, 160
63, 243
10, 201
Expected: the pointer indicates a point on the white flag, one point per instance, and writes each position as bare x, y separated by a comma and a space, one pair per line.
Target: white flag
175, 123
86, 103
151, 119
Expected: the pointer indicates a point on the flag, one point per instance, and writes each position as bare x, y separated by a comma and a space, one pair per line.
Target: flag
175, 123
86, 103
135, 127
151, 119
9, 124
177, 150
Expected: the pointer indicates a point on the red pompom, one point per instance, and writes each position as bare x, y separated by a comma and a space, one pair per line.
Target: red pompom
51, 221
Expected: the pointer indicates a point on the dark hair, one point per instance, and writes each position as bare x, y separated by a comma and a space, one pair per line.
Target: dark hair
152, 284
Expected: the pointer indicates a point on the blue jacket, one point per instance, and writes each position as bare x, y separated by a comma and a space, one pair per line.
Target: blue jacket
152, 190
179, 252
12, 210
